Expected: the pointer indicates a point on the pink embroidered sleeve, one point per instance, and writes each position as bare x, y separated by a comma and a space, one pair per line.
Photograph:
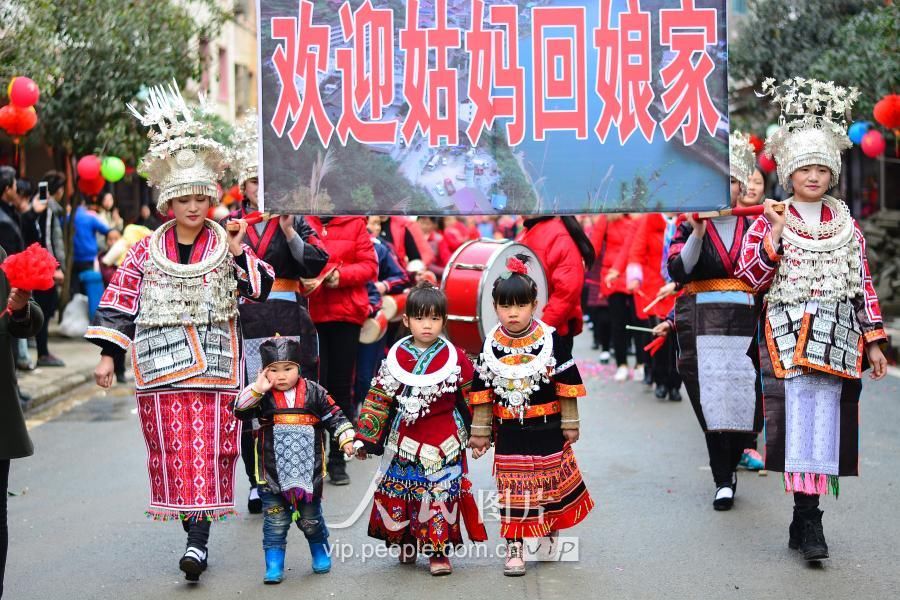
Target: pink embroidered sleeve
247, 399
868, 310
759, 258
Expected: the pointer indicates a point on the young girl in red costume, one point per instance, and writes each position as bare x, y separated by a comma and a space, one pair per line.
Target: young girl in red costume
525, 395
416, 415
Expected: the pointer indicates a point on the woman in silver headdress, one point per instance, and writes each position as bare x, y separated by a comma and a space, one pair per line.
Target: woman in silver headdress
173, 301
821, 318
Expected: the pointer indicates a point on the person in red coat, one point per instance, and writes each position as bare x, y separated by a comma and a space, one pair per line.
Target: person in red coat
611, 239
644, 278
565, 253
338, 308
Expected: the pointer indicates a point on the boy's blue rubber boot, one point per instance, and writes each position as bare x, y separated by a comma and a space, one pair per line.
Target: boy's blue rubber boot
274, 566
321, 560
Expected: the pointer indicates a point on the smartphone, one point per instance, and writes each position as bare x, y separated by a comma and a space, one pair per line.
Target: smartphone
42, 192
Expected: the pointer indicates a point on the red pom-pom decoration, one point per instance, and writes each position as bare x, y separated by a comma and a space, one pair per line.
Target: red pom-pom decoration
30, 270
516, 265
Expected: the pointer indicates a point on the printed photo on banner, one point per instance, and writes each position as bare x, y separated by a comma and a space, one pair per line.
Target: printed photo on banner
435, 107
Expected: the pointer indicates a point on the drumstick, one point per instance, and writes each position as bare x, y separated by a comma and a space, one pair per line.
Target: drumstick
738, 211
654, 303
644, 329
254, 218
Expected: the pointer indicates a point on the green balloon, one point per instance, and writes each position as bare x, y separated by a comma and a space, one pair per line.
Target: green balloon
112, 169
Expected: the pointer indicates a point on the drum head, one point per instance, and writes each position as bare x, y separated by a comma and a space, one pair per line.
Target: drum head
487, 317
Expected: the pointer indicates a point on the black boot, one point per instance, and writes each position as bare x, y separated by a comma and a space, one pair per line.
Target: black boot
193, 563
337, 472
675, 394
812, 535
660, 392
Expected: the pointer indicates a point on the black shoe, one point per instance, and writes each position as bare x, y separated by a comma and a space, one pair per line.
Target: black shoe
648, 376
24, 365
812, 535
50, 361
660, 392
254, 505
795, 530
724, 498
675, 395
193, 563
337, 473
120, 378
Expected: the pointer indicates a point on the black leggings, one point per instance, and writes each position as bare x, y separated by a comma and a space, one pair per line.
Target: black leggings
48, 301
725, 450
4, 529
198, 532
248, 453
338, 343
602, 330
621, 313
806, 500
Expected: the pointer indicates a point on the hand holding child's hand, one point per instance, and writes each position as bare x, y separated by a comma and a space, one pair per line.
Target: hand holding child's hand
877, 360
479, 445
262, 384
361, 454
571, 435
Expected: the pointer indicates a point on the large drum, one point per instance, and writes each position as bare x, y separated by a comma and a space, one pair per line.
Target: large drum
468, 280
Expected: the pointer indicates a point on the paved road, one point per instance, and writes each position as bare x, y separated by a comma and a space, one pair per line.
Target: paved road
78, 530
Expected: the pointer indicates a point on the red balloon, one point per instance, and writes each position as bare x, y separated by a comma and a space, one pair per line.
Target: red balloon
887, 111
757, 144
23, 92
873, 144
91, 187
766, 164
6, 113
89, 167
18, 121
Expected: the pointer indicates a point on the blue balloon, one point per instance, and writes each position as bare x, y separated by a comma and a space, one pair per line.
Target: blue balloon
857, 131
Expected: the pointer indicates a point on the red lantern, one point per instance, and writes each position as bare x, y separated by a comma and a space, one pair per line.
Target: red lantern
91, 187
757, 144
89, 167
23, 92
887, 111
766, 164
873, 144
19, 121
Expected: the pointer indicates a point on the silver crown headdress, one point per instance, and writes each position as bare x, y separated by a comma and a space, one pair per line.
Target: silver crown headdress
812, 127
742, 158
245, 148
181, 160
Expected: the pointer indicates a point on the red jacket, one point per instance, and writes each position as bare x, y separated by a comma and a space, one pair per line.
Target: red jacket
349, 244
644, 259
399, 226
565, 273
617, 235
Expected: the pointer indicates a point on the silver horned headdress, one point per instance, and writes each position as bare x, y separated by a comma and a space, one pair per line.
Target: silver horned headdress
742, 158
245, 148
181, 160
812, 127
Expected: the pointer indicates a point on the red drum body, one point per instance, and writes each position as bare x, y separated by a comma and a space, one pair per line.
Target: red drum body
468, 281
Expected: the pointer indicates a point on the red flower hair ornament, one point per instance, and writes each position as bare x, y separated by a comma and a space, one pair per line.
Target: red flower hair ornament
516, 265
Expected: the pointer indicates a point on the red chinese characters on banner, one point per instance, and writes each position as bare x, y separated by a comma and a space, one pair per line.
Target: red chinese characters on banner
368, 66
494, 63
559, 71
430, 93
624, 72
302, 56
367, 73
688, 31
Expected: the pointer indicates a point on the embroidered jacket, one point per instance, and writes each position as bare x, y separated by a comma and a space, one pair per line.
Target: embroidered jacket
429, 426
295, 429
186, 355
558, 382
829, 336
